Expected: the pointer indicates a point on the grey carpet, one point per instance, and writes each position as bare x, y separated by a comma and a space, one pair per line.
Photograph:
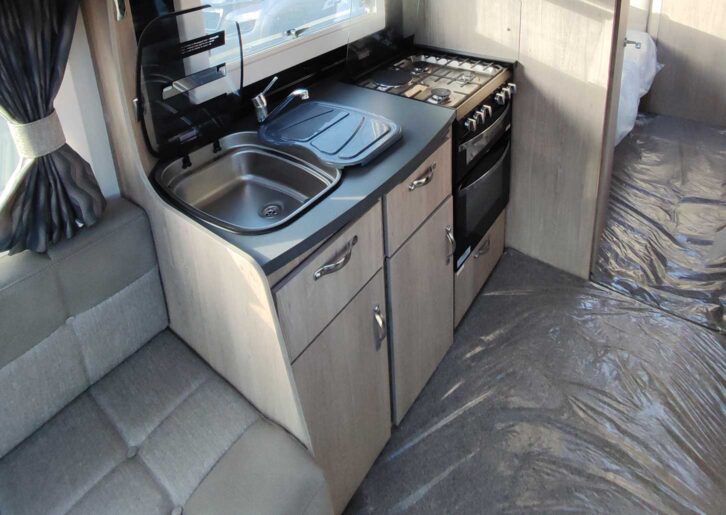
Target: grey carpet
558, 396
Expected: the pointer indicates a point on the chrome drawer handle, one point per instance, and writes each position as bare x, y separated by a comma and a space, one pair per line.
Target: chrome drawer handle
483, 249
330, 268
381, 323
452, 243
120, 6
424, 178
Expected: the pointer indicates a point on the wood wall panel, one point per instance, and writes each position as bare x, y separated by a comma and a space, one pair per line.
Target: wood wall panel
639, 13
483, 27
219, 299
692, 48
559, 127
622, 23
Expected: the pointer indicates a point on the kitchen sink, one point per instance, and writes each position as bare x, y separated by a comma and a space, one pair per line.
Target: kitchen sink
246, 186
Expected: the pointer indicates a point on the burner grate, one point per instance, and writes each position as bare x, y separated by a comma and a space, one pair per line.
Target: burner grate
417, 75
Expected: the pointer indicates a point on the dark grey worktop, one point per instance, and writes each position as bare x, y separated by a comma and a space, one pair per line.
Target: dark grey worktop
424, 128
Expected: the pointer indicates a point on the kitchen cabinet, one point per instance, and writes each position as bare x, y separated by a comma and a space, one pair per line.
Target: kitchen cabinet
324, 283
421, 305
343, 384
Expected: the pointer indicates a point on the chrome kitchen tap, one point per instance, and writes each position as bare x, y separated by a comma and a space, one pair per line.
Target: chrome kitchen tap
260, 102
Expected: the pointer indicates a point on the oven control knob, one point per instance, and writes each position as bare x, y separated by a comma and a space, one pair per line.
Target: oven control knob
500, 98
485, 111
470, 124
512, 87
507, 92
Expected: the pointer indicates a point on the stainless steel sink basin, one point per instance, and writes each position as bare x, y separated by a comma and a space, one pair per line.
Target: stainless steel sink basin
247, 187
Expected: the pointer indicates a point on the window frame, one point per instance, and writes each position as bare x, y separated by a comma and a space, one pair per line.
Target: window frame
269, 61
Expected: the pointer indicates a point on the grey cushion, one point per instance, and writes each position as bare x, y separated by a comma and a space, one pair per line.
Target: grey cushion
93, 419
103, 259
118, 326
38, 384
134, 397
161, 430
27, 317
265, 471
53, 469
69, 317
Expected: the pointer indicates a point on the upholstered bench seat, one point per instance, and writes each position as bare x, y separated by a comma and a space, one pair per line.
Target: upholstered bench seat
104, 410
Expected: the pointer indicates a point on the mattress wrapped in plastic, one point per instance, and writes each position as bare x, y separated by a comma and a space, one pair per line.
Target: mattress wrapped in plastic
666, 222
560, 396
640, 66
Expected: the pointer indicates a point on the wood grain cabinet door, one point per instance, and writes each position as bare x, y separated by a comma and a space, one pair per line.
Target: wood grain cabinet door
421, 301
343, 384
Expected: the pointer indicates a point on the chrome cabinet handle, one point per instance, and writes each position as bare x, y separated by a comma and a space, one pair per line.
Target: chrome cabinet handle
424, 179
330, 268
452, 243
120, 6
381, 323
483, 249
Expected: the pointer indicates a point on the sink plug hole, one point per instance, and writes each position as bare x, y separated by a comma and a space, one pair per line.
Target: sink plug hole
271, 211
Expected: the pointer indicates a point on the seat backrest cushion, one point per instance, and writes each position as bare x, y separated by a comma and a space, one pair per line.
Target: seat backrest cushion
69, 316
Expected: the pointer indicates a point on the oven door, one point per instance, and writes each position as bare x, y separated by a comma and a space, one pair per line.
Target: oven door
481, 197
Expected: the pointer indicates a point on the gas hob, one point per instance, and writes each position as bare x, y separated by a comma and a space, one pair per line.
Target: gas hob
443, 79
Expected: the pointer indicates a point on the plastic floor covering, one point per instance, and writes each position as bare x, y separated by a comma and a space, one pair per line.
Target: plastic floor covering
664, 241
560, 395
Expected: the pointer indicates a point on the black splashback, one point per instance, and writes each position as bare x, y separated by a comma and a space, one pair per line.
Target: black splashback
188, 82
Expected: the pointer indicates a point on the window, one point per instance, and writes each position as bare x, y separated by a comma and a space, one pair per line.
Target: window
8, 154
278, 34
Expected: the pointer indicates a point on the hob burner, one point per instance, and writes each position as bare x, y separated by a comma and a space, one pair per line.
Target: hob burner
466, 77
391, 78
440, 95
420, 66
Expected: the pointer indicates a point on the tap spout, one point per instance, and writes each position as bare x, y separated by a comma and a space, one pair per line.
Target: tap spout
260, 103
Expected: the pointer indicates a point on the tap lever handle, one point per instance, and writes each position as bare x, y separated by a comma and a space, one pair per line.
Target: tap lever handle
269, 86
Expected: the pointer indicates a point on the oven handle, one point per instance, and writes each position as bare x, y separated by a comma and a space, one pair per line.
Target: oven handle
495, 166
471, 147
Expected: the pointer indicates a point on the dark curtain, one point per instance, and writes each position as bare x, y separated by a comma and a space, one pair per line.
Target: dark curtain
50, 197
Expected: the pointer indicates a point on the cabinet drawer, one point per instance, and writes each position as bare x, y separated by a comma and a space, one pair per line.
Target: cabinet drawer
343, 384
311, 297
412, 201
421, 297
474, 273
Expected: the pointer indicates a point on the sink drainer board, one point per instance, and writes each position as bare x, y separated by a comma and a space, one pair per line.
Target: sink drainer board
247, 187
338, 135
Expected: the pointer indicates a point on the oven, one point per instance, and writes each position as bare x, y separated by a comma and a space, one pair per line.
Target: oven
482, 171
481, 197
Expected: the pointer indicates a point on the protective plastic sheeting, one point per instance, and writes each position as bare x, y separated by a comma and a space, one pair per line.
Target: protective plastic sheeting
666, 216
561, 396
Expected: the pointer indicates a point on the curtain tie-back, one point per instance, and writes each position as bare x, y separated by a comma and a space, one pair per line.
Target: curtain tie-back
38, 138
